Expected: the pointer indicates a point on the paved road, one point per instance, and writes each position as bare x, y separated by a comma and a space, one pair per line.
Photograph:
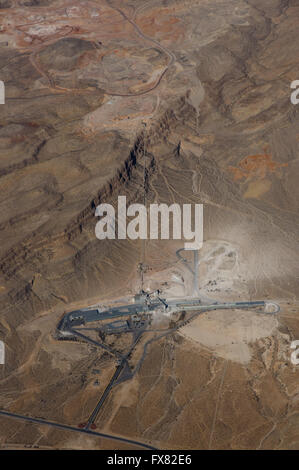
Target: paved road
193, 271
186, 263
74, 429
75, 332
182, 304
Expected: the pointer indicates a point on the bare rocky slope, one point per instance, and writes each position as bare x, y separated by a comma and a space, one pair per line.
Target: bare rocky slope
211, 80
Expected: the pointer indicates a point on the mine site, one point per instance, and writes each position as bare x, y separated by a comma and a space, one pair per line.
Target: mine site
114, 337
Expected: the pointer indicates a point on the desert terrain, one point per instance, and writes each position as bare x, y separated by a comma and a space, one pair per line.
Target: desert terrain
190, 99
